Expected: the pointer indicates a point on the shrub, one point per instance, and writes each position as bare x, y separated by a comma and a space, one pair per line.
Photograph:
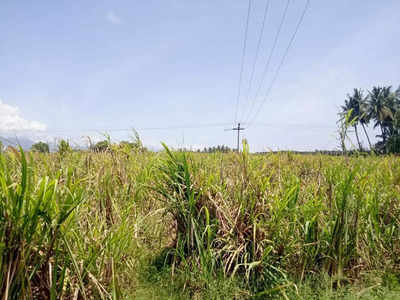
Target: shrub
64, 147
101, 146
40, 147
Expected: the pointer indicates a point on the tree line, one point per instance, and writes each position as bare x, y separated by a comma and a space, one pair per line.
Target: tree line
105, 145
380, 107
219, 148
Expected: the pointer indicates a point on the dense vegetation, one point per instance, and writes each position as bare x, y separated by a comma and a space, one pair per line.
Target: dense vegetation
381, 106
219, 148
128, 223
41, 147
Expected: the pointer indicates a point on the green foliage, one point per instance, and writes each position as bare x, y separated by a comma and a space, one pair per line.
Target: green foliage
134, 145
40, 147
101, 146
382, 106
33, 217
219, 148
64, 147
393, 144
175, 225
136, 142
192, 219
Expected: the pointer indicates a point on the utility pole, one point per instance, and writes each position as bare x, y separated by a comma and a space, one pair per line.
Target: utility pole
238, 129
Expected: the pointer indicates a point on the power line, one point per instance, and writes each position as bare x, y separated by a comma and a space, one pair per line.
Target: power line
281, 62
264, 74
178, 127
187, 126
242, 64
257, 51
297, 125
238, 129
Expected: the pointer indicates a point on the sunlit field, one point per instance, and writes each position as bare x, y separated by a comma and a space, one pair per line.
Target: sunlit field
133, 224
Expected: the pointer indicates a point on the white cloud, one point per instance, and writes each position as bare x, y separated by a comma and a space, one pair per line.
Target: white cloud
11, 120
113, 18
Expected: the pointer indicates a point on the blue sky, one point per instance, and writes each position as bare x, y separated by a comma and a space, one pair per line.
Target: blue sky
71, 66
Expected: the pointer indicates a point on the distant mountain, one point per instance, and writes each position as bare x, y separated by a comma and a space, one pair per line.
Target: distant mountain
25, 143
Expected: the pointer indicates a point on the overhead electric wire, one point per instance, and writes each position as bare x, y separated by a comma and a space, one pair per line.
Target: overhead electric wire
192, 126
257, 51
103, 131
265, 72
242, 64
297, 125
187, 126
281, 63
15, 143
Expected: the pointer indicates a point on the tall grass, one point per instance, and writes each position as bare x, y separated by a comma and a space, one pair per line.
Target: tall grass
34, 220
126, 224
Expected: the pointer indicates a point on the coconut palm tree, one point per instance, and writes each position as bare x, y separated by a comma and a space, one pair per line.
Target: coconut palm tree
379, 110
352, 105
382, 105
391, 104
397, 97
361, 107
396, 120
